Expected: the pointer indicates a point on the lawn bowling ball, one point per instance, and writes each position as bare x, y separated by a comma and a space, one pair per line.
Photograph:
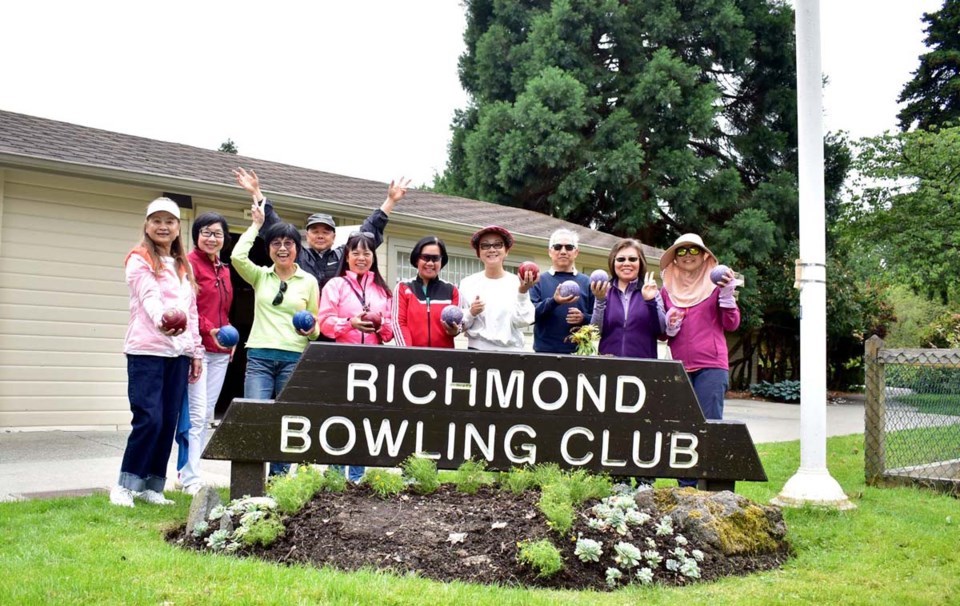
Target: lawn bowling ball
304, 320
374, 317
570, 288
174, 319
528, 267
451, 314
719, 273
228, 336
599, 276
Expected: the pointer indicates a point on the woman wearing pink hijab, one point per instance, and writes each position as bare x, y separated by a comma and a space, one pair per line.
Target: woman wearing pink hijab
699, 312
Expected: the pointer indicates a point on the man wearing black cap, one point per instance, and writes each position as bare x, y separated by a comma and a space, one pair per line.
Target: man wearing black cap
320, 257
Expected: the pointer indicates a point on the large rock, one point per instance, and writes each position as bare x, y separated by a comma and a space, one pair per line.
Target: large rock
730, 523
203, 503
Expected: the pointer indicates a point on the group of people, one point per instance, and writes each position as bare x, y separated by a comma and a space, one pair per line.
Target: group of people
343, 290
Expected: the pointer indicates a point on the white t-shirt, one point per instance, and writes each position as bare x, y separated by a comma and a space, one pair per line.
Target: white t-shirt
505, 312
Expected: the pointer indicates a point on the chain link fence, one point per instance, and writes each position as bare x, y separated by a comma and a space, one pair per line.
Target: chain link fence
912, 424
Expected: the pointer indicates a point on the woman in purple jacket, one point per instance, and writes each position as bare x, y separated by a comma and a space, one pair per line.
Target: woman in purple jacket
699, 312
628, 311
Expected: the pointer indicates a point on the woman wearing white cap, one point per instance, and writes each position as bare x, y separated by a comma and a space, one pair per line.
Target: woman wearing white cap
699, 312
160, 361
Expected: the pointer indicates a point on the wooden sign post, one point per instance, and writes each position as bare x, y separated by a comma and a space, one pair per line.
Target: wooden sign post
361, 405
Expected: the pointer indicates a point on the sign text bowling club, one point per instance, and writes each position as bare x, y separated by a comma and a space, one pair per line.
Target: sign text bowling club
377, 405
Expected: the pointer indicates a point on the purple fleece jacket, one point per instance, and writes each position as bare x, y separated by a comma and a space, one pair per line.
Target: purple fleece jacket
635, 337
701, 342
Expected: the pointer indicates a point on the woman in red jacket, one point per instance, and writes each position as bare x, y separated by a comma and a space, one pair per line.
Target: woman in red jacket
418, 303
214, 297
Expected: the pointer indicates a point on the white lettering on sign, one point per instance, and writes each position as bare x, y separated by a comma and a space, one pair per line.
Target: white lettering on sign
690, 451
504, 394
605, 459
302, 434
406, 384
351, 435
451, 385
418, 446
531, 449
621, 406
657, 445
565, 446
561, 399
394, 440
599, 396
471, 435
370, 382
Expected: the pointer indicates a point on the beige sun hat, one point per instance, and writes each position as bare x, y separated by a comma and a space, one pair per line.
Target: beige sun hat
666, 260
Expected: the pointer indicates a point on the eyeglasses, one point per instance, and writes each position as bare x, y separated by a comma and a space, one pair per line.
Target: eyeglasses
216, 235
489, 245
366, 234
627, 259
287, 243
692, 250
430, 258
567, 247
279, 298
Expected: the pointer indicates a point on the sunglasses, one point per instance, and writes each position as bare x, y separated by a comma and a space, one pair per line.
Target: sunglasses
489, 245
627, 259
366, 234
567, 247
430, 258
692, 250
279, 298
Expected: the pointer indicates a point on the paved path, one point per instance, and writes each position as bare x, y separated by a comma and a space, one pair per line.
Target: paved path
47, 463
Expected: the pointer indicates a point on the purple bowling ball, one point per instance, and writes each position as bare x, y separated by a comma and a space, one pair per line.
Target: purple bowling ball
304, 320
570, 288
599, 276
451, 314
228, 336
719, 273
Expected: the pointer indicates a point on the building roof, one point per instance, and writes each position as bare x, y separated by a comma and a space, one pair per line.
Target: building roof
40, 138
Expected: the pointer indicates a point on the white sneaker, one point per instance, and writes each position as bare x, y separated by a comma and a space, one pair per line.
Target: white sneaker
154, 498
193, 489
121, 496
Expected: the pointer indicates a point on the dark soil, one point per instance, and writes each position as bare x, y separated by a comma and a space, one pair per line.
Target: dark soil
412, 533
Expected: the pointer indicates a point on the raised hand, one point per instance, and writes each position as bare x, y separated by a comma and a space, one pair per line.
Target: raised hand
527, 280
600, 289
248, 181
649, 289
256, 212
397, 189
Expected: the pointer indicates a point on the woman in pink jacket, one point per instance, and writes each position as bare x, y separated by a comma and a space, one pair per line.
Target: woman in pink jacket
355, 306
160, 361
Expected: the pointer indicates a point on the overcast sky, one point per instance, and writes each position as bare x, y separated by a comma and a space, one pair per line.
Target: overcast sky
365, 88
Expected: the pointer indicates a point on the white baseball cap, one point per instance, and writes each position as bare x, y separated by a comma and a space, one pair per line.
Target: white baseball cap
161, 204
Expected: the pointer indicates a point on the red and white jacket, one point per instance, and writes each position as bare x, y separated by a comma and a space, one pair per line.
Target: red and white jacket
416, 314
214, 296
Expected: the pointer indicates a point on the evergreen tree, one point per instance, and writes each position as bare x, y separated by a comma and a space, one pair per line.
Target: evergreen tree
933, 95
228, 147
648, 119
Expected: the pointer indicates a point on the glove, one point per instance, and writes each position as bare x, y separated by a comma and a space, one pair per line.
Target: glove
674, 319
726, 294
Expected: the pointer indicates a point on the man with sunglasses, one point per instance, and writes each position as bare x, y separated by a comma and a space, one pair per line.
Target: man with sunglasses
320, 258
555, 314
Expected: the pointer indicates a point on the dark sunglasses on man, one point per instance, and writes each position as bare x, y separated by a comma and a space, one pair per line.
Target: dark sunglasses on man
567, 247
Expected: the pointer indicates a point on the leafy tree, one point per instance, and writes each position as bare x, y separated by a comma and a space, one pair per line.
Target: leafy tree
933, 95
648, 119
905, 218
229, 147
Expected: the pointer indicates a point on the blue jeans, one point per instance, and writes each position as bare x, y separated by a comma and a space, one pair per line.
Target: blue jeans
263, 381
155, 388
710, 385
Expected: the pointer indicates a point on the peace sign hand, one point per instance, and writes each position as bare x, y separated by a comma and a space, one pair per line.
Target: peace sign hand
650, 289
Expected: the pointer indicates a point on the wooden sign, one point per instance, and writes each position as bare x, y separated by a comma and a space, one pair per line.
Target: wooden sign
363, 405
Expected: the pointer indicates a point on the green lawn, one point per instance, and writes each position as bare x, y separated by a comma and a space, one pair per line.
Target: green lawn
900, 546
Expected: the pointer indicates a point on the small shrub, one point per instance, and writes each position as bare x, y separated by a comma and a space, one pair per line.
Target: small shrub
784, 391
584, 486
547, 473
421, 473
334, 480
557, 506
542, 556
263, 531
518, 480
470, 476
293, 492
383, 482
